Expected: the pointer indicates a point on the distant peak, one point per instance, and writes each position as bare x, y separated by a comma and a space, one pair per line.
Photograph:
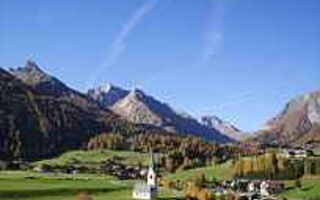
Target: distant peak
211, 119
105, 87
137, 93
31, 65
109, 87
137, 90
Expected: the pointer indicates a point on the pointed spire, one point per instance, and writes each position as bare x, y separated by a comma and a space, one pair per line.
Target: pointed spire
152, 161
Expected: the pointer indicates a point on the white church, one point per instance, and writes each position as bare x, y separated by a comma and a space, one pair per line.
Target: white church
147, 190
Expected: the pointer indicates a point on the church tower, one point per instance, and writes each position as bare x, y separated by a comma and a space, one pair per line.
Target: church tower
147, 190
152, 176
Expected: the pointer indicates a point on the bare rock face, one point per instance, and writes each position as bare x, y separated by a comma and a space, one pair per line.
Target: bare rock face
134, 108
299, 122
223, 126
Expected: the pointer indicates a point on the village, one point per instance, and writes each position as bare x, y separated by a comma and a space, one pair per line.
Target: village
151, 178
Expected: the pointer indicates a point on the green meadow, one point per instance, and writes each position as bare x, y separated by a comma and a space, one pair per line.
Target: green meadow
219, 172
96, 157
310, 190
27, 185
17, 185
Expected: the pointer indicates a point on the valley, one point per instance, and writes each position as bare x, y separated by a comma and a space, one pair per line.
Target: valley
57, 142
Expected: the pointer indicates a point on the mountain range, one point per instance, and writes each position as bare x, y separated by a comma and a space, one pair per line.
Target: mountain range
224, 127
140, 108
40, 116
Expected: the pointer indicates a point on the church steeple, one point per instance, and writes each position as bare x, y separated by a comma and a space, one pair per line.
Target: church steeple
147, 190
152, 162
152, 176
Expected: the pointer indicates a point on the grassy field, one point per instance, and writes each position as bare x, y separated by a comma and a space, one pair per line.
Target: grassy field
24, 185
27, 186
96, 157
309, 189
222, 171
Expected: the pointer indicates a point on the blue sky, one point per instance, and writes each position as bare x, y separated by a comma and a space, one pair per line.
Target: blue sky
239, 59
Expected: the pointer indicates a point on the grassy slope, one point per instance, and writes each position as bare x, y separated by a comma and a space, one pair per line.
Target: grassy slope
95, 157
15, 186
310, 189
223, 171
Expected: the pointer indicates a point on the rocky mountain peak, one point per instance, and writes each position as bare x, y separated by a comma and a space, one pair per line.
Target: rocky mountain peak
31, 65
224, 127
108, 94
137, 94
30, 73
108, 87
211, 120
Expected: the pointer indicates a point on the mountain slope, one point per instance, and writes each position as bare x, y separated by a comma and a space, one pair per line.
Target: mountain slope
223, 127
32, 75
44, 83
39, 121
137, 107
299, 122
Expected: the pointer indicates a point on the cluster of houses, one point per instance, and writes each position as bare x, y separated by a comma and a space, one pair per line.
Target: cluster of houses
111, 167
248, 189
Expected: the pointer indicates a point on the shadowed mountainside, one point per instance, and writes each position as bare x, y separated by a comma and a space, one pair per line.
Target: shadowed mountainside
35, 124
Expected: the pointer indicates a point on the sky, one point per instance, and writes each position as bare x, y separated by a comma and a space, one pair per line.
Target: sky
241, 60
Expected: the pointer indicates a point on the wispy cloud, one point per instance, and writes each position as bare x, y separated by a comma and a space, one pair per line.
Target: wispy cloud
214, 32
118, 46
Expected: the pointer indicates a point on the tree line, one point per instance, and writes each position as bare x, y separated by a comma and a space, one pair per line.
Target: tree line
176, 151
273, 166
